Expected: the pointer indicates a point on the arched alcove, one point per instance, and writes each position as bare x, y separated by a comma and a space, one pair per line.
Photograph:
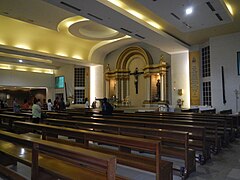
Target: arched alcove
131, 81
131, 52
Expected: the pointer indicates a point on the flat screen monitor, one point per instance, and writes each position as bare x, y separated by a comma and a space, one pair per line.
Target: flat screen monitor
59, 82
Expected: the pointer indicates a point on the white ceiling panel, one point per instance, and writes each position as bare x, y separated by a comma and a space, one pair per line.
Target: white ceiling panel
206, 13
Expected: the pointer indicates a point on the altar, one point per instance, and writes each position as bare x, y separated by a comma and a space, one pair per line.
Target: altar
136, 81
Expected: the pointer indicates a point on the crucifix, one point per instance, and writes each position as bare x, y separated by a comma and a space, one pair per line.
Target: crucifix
136, 74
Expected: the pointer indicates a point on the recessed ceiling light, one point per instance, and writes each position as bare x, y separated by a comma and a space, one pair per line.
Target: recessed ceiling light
189, 10
20, 60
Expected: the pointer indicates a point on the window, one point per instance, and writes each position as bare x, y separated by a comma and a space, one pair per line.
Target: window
79, 85
206, 62
207, 97
79, 95
79, 77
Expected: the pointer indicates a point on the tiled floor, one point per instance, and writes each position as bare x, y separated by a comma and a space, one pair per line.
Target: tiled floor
224, 166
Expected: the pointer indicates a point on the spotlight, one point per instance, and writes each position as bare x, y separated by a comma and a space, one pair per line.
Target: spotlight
189, 11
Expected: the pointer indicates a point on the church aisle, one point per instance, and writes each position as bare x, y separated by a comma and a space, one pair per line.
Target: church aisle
224, 166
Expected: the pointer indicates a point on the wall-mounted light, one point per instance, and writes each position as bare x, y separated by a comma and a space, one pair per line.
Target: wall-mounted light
174, 85
26, 68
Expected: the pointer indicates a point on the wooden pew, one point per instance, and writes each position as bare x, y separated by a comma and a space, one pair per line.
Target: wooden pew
236, 122
10, 174
26, 114
163, 169
58, 160
222, 124
60, 115
228, 111
225, 126
174, 143
208, 111
6, 120
211, 127
231, 123
197, 134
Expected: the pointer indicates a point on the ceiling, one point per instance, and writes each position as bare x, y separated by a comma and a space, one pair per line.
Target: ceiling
75, 31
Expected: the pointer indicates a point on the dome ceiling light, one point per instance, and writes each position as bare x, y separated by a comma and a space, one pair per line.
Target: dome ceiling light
84, 28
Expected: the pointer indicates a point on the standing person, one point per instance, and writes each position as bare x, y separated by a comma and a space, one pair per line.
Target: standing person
86, 103
25, 105
1, 104
62, 105
44, 106
36, 111
56, 103
39, 103
107, 108
49, 105
5, 104
16, 106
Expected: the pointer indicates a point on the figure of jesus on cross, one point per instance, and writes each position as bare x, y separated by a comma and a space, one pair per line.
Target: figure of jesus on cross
136, 74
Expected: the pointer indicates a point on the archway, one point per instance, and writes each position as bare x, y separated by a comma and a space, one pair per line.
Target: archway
133, 87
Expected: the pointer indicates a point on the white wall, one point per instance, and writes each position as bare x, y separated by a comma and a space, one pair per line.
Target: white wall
180, 78
96, 82
25, 79
223, 52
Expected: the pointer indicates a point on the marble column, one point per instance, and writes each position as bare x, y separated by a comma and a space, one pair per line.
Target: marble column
122, 84
107, 88
127, 87
148, 86
162, 87
116, 89
165, 86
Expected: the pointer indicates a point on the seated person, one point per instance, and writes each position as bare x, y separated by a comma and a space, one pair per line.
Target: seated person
107, 108
86, 103
25, 105
94, 105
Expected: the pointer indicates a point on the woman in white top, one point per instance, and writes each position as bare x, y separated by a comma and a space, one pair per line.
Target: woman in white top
49, 105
